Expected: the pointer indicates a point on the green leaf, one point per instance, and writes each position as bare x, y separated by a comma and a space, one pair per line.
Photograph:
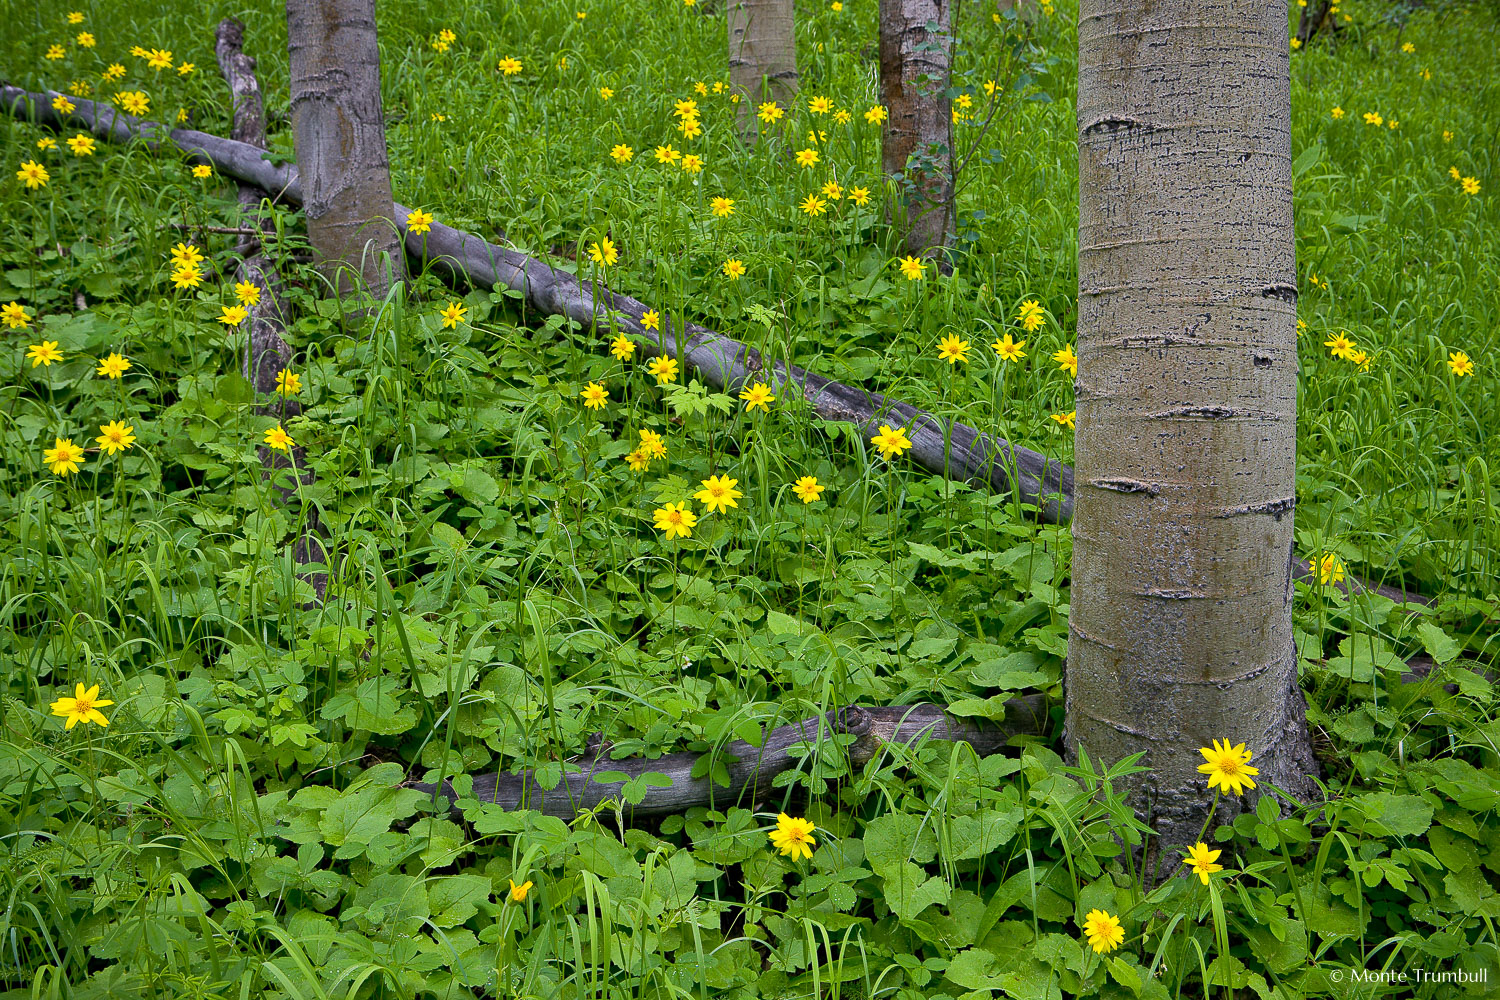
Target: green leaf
908, 890
456, 898
1441, 646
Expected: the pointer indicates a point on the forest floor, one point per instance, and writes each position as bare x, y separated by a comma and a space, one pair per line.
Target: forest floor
500, 590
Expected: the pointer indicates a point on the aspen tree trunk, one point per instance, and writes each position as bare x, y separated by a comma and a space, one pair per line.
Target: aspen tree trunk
918, 147
762, 56
340, 141
1180, 630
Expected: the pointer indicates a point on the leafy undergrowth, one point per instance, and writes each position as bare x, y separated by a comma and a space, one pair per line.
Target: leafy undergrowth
500, 591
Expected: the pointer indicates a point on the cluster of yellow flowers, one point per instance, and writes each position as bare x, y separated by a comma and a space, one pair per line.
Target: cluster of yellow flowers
1229, 772
444, 39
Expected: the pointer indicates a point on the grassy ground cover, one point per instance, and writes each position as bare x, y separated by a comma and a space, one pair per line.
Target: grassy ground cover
501, 588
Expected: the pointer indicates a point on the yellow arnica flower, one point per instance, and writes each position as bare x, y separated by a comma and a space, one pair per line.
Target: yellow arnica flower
813, 205
135, 102
56, 52
159, 59
722, 207
652, 445
82, 145
1201, 860
832, 191
1371, 118
46, 142
622, 347
62, 105
807, 157
232, 315
808, 489
518, 892
75, 17
1103, 931
1470, 185
769, 112
637, 461
1009, 349
453, 314
509, 66
1032, 316
622, 153
1227, 767
952, 349
203, 170
820, 105
186, 276
603, 252
1327, 568
113, 366
44, 353
33, 175
14, 315
875, 115
1067, 420
666, 154
718, 494
246, 293
859, 195
64, 457
605, 93
733, 269
793, 837
665, 369
675, 520
82, 707
594, 396
758, 394
692, 164
418, 221
891, 441
278, 439
1460, 364
185, 253
651, 320
1340, 346
288, 382
1066, 360
912, 268
1337, 112
115, 436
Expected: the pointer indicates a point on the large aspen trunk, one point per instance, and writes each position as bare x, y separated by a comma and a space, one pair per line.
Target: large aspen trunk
917, 152
340, 141
1180, 630
762, 56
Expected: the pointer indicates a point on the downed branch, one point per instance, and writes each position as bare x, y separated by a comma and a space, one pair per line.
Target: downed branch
266, 350
948, 448
752, 770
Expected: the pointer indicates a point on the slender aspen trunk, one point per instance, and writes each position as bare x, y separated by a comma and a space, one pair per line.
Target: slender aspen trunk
917, 151
762, 56
1180, 629
340, 141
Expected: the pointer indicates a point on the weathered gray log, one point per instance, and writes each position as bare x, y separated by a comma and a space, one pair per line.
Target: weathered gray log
971, 456
752, 770
266, 349
948, 448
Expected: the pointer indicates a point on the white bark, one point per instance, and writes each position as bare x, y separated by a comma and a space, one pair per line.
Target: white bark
918, 145
762, 56
1180, 625
340, 141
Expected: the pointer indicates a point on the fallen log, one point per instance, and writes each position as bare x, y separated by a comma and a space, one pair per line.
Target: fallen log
947, 448
266, 349
751, 770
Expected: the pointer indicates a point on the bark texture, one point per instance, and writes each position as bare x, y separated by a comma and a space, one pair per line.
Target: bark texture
751, 769
1180, 629
972, 456
266, 349
340, 139
917, 150
762, 56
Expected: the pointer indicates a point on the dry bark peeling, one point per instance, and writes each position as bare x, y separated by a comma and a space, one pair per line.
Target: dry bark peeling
266, 349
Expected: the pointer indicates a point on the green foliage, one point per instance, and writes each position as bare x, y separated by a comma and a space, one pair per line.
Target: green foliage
498, 595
